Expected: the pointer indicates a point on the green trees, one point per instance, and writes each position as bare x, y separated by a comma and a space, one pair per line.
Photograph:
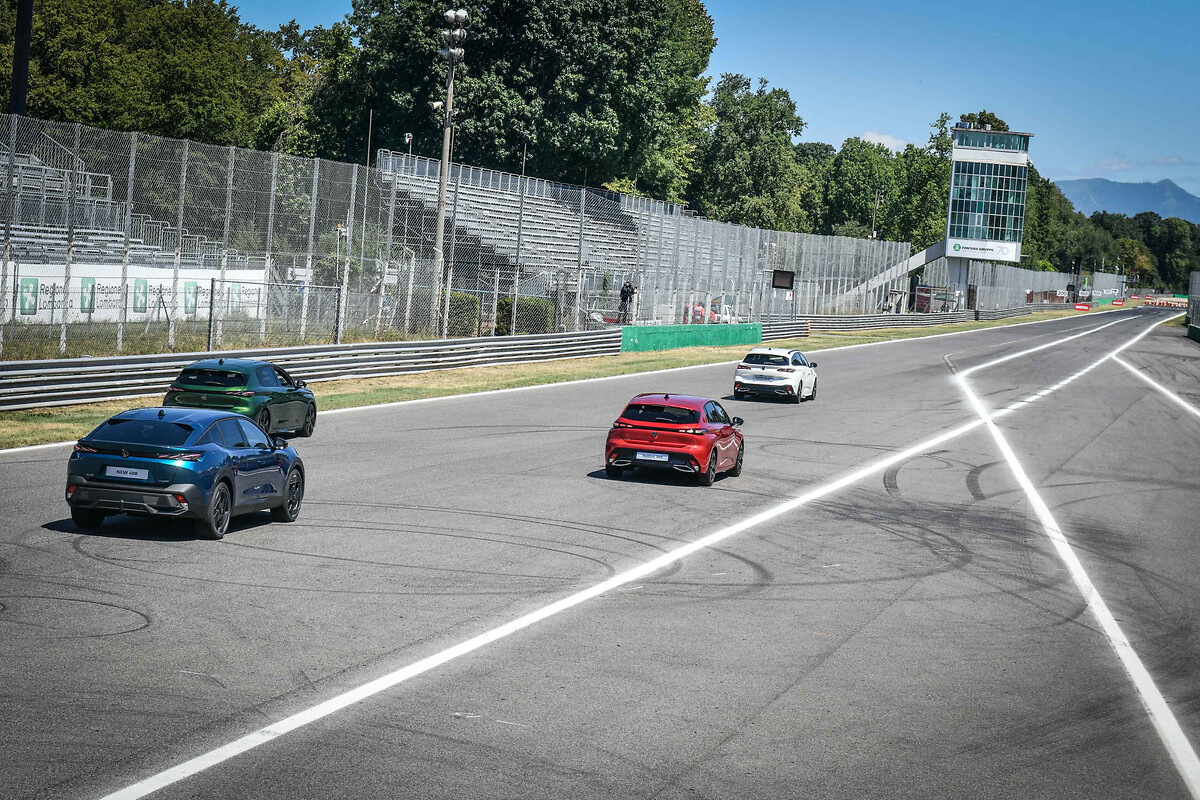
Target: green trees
595, 90
748, 171
189, 70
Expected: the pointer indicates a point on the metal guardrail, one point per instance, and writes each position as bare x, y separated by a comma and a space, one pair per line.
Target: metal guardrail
1003, 313
785, 330
56, 382
874, 321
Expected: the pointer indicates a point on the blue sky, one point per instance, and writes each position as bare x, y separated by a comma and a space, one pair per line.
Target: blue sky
1110, 89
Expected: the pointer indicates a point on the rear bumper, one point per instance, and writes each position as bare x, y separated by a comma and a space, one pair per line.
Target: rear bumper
777, 389
679, 461
125, 499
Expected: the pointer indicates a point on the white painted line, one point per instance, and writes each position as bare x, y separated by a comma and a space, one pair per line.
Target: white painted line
29, 447
1165, 724
1185, 405
274, 731
1030, 350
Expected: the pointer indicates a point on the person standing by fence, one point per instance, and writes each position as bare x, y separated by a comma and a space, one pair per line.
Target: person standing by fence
624, 311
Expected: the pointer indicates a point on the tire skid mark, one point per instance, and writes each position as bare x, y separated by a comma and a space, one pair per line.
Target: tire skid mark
9, 608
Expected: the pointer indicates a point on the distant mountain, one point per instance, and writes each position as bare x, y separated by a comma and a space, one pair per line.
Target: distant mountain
1099, 194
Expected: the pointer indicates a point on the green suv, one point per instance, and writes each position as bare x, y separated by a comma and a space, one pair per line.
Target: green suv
262, 391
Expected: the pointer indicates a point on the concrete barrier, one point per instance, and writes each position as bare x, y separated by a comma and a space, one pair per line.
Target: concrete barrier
638, 338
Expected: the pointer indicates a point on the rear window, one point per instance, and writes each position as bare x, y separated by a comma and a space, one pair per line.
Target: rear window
767, 359
645, 412
142, 431
212, 377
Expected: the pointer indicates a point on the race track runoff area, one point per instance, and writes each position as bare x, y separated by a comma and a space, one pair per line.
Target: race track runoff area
970, 568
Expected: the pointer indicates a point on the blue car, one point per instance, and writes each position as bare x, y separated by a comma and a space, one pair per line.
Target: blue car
201, 465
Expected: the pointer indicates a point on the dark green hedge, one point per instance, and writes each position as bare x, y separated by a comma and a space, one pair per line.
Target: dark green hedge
534, 315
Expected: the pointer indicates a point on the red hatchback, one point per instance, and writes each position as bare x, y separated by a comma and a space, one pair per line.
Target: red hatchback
676, 432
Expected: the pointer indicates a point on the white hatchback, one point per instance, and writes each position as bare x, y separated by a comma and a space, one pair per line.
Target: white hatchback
778, 372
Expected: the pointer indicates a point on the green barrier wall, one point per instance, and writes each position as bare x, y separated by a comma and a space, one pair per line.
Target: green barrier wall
1194, 332
1107, 301
635, 338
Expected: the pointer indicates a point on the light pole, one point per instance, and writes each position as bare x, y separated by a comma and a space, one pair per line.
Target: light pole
452, 54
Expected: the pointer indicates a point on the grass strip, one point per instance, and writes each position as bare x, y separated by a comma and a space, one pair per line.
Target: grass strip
63, 423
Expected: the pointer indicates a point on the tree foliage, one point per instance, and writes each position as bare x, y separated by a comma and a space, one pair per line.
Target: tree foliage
748, 169
187, 70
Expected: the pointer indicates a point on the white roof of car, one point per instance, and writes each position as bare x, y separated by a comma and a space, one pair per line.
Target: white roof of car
779, 351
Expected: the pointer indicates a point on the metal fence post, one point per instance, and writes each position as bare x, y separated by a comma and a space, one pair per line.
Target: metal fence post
676, 266
178, 249
308, 264
345, 285
6, 265
495, 297
387, 258
450, 270
579, 261
516, 294
225, 241
212, 303
72, 182
123, 314
271, 208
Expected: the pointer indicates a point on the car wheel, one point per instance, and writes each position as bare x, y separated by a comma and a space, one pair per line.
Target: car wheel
89, 519
263, 418
215, 523
813, 396
738, 395
737, 467
795, 398
310, 421
613, 472
709, 476
293, 495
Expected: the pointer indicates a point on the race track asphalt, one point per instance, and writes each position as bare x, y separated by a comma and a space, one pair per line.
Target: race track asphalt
911, 635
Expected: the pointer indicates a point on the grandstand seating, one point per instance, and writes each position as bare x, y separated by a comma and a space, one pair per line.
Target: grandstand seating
40, 204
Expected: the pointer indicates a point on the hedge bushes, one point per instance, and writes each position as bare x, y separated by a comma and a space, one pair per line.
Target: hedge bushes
534, 315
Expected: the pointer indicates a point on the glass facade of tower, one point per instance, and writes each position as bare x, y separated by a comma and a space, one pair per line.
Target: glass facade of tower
992, 140
987, 201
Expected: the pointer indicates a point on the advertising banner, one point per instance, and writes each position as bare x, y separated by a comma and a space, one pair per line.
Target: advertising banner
87, 295
29, 296
983, 250
97, 294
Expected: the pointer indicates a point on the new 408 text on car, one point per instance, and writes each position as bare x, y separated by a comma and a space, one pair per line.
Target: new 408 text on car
686, 434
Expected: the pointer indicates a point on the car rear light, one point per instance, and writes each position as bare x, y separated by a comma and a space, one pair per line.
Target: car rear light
180, 456
174, 388
71, 491
785, 369
622, 425
83, 448
180, 499
743, 366
693, 431
242, 394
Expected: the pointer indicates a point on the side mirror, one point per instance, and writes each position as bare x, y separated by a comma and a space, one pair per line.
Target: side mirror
812, 364
279, 444
301, 384
738, 422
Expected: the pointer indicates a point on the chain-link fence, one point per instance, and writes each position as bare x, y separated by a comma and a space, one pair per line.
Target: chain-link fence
992, 286
113, 242
1193, 315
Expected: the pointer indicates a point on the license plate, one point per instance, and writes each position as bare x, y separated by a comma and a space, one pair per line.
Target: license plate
653, 457
127, 472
